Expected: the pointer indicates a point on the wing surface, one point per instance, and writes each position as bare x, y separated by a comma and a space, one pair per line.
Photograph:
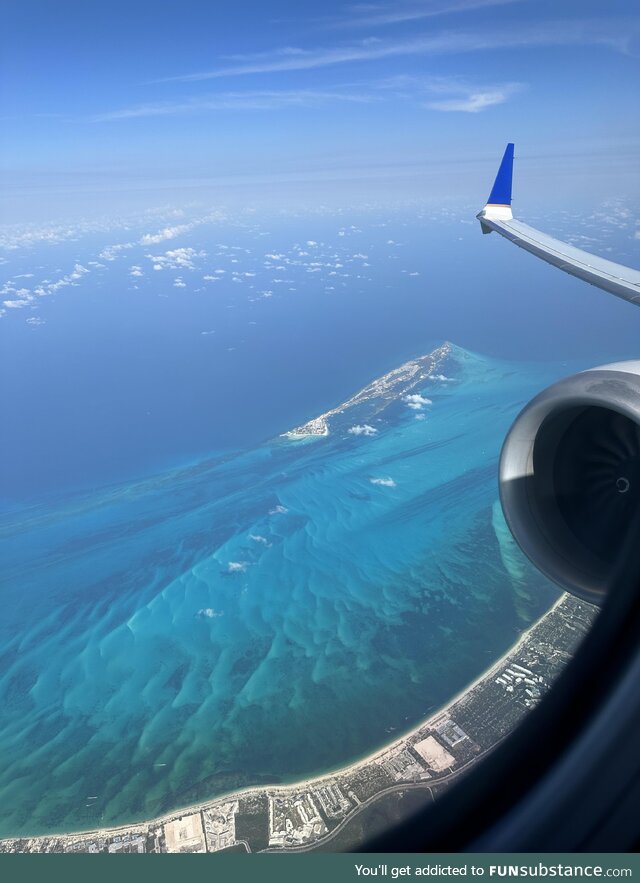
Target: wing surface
497, 215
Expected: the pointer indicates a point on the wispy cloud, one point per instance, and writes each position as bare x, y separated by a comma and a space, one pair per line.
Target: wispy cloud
381, 14
469, 98
461, 95
464, 96
236, 101
613, 33
472, 103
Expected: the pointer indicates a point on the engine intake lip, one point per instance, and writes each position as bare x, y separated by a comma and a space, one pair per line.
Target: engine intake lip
546, 521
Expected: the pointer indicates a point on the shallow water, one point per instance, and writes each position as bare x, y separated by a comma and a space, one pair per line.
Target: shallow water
260, 616
176, 625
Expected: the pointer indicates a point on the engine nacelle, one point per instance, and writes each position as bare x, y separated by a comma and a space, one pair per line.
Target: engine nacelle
570, 477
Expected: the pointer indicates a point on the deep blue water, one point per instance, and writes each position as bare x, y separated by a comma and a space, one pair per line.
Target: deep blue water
121, 381
191, 603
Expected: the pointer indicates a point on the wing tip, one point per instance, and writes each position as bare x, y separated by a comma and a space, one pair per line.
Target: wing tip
498, 205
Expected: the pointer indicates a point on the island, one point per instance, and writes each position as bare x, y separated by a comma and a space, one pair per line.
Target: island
374, 397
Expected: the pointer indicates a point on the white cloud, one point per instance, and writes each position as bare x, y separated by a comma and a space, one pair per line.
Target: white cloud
278, 510
474, 102
449, 93
176, 259
111, 252
416, 401
209, 613
136, 271
24, 235
13, 236
257, 538
18, 303
10, 288
70, 279
384, 482
170, 232
363, 429
164, 234
178, 283
238, 566
46, 287
35, 320
78, 271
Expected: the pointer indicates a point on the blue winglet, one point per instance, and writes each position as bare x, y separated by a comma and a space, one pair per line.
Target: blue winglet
501, 191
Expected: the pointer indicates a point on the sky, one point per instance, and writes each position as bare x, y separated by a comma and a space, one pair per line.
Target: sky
111, 107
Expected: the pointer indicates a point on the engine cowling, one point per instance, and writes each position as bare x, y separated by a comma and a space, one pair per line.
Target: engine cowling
570, 477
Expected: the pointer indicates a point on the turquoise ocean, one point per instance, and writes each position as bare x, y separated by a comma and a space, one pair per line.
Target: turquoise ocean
192, 603
260, 616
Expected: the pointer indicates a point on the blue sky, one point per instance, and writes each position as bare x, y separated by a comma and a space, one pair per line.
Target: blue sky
110, 104
139, 137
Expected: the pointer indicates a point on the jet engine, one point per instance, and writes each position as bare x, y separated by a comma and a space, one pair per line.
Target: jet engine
570, 477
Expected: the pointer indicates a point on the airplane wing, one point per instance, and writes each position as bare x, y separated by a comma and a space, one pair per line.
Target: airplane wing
622, 281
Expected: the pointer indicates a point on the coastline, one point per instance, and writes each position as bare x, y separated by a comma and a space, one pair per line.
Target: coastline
382, 390
394, 764
282, 790
412, 731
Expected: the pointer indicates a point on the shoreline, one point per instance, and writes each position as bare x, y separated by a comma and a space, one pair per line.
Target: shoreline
300, 784
385, 388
